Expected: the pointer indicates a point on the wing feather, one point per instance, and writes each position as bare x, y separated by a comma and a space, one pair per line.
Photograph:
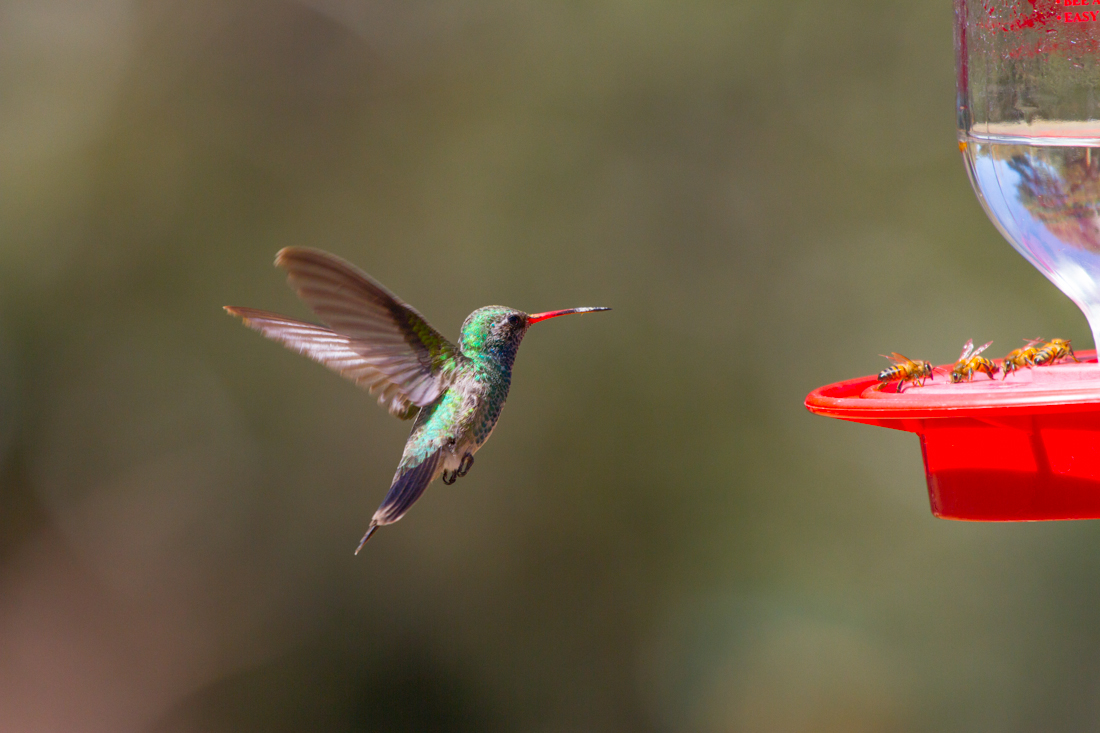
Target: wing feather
373, 338
388, 333
335, 351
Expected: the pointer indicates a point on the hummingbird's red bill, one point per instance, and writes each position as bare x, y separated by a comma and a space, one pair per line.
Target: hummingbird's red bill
536, 317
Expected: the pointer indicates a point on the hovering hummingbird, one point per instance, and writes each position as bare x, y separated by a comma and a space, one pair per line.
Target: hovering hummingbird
455, 392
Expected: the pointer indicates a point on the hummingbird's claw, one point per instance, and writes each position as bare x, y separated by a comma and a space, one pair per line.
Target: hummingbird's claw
464, 467
449, 477
365, 538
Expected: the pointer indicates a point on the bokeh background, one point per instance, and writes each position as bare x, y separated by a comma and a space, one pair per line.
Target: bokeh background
659, 537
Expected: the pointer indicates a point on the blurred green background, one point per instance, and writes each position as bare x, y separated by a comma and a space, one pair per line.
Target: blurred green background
659, 537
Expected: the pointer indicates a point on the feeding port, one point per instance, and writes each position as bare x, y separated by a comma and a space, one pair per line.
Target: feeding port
1022, 448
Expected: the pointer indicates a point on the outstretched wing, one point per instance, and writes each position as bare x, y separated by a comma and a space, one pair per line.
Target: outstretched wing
967, 348
373, 338
407, 486
337, 352
981, 348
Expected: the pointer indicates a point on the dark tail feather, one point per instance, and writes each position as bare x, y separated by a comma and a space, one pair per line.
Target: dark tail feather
405, 490
366, 536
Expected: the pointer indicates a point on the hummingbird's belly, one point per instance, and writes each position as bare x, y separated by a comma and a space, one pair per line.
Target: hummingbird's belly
459, 423
469, 441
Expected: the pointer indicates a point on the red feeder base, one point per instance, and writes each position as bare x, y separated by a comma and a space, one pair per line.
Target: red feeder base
1021, 449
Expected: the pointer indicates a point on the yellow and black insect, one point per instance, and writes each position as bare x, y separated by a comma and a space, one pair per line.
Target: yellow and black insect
1054, 350
904, 370
1020, 358
971, 362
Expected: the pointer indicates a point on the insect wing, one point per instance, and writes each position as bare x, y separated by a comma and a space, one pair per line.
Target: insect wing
981, 348
967, 348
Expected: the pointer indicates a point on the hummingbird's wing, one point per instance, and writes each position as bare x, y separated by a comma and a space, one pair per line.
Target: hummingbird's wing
375, 340
339, 353
408, 484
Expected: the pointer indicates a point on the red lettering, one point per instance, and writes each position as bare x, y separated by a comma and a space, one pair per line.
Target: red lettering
1092, 14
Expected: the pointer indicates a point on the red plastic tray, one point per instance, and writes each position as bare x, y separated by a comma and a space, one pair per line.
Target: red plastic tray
1021, 449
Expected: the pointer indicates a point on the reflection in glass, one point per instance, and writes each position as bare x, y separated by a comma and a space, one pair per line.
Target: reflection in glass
1045, 199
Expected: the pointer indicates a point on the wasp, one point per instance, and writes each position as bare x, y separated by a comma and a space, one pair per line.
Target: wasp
1054, 350
1020, 358
970, 362
904, 370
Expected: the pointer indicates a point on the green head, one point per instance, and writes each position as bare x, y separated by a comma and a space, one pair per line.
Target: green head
496, 331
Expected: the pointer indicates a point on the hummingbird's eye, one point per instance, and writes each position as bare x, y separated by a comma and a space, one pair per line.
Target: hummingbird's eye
513, 320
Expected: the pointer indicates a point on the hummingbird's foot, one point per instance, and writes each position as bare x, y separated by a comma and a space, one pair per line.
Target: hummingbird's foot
467, 463
449, 477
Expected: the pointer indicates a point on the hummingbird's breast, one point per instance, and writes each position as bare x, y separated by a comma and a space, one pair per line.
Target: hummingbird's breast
462, 418
482, 392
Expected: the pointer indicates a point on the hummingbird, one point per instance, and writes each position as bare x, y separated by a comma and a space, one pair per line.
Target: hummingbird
455, 392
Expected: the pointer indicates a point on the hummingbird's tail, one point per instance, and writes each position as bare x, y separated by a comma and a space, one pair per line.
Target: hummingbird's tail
366, 537
407, 487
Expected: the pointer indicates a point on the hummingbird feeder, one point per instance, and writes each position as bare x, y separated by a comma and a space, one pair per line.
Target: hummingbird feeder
1022, 448
1026, 446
